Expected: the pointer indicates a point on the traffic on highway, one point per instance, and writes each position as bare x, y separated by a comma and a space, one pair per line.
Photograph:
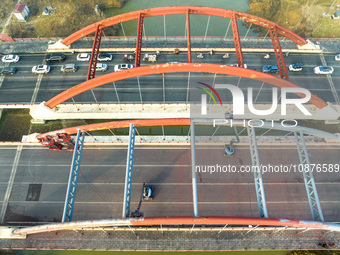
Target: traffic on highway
63, 70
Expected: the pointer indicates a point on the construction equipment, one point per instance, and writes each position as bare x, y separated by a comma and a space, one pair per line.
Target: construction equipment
150, 58
66, 140
146, 194
49, 141
127, 57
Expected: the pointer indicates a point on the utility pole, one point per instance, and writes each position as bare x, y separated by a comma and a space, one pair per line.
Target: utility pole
51, 5
325, 14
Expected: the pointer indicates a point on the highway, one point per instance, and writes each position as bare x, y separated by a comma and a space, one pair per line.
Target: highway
20, 87
39, 183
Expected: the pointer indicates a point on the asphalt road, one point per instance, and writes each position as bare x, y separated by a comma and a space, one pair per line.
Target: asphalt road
40, 183
20, 87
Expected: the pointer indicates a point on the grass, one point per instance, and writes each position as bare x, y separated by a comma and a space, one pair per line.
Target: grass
67, 17
14, 124
304, 17
6, 7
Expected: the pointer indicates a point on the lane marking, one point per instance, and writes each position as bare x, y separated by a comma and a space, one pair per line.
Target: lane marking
179, 184
171, 202
2, 78
10, 184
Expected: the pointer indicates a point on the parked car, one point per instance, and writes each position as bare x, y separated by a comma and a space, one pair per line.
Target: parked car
295, 67
8, 70
337, 57
101, 67
270, 69
83, 57
10, 58
41, 69
323, 70
104, 57
68, 68
121, 67
55, 57
236, 65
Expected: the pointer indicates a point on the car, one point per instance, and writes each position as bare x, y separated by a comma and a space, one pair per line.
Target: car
83, 57
104, 57
101, 67
337, 57
10, 58
41, 69
121, 67
295, 67
8, 70
236, 65
55, 57
68, 68
323, 70
270, 69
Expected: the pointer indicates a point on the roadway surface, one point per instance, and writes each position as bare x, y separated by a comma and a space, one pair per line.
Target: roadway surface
35, 183
25, 87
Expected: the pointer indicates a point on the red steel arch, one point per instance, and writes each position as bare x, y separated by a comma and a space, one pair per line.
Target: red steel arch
178, 67
120, 124
171, 221
183, 10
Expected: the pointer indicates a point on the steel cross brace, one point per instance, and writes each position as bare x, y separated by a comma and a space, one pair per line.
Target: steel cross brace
278, 53
312, 192
128, 175
255, 159
95, 52
139, 40
237, 41
72, 182
193, 168
188, 36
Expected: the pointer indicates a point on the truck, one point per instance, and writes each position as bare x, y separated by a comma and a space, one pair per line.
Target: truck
150, 57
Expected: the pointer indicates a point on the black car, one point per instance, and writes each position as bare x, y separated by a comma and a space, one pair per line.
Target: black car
8, 70
55, 57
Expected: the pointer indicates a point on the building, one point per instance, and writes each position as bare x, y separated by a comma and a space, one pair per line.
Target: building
21, 12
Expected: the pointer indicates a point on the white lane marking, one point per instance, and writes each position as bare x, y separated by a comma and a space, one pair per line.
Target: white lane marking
330, 81
179, 184
36, 89
10, 184
182, 203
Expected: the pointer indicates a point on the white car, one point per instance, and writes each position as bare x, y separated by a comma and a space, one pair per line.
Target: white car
295, 67
41, 69
121, 67
104, 57
236, 65
323, 70
83, 57
101, 67
337, 57
10, 58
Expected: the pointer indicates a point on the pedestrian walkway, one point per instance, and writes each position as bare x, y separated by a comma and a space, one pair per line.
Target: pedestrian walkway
35, 45
177, 241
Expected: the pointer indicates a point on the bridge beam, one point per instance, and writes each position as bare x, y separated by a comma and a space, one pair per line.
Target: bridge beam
193, 168
73, 179
278, 53
237, 41
188, 35
128, 175
95, 52
255, 159
308, 177
139, 40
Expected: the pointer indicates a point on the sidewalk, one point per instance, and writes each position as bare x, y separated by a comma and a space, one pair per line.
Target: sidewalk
34, 45
175, 240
